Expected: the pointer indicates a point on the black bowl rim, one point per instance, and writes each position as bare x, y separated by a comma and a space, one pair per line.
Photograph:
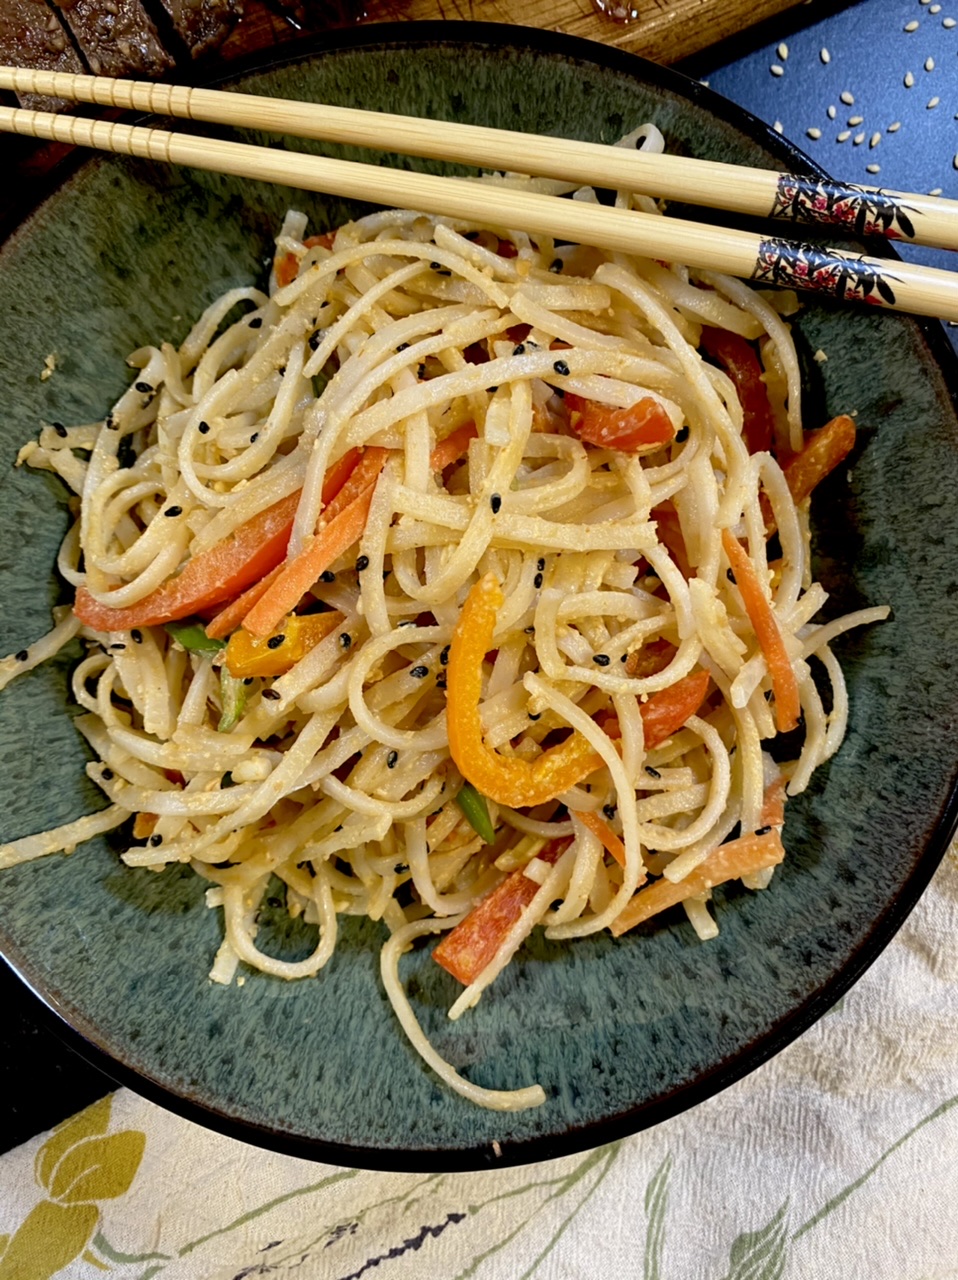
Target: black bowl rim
83, 1039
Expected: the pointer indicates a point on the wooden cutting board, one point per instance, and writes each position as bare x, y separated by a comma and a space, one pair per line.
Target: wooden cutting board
662, 30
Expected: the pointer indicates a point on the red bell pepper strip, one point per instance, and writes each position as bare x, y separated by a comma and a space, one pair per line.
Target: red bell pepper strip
737, 357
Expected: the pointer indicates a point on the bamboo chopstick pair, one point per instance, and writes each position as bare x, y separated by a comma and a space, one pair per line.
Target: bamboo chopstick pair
833, 272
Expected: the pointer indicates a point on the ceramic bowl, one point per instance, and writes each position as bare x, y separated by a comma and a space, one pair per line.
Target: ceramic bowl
622, 1034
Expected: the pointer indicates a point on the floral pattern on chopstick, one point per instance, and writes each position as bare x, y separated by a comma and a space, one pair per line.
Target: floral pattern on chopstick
846, 276
867, 211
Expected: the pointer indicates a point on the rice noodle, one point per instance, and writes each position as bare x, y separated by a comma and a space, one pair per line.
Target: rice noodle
334, 773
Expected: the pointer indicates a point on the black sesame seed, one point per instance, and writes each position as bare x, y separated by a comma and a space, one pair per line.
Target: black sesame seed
362, 563
345, 640
535, 715
118, 645
254, 437
274, 642
435, 266
22, 655
653, 773
136, 635
272, 694
623, 657
492, 390
520, 350
555, 265
609, 810
403, 346
601, 659
327, 576
421, 371
400, 869
156, 841
60, 429
495, 502
537, 581
682, 435
730, 575
541, 563
560, 366
419, 673
143, 387
203, 428
109, 423
339, 828
444, 656
248, 680
173, 511
107, 775
763, 831
314, 340
256, 322
530, 631
391, 759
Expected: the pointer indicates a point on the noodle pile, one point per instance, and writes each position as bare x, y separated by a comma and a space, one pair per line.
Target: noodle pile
336, 775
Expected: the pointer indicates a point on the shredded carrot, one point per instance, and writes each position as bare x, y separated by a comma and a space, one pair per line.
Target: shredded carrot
508, 780
767, 632
730, 861
602, 831
773, 806
229, 619
335, 537
454, 447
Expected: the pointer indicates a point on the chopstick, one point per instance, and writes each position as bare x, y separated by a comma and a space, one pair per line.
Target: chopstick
920, 219
847, 276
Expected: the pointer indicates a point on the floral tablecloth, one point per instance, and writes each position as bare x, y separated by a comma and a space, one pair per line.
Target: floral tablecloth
838, 1159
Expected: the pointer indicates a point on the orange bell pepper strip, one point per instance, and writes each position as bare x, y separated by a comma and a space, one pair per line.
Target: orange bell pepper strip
287, 267
821, 453
468, 948
730, 861
643, 426
278, 653
507, 780
767, 632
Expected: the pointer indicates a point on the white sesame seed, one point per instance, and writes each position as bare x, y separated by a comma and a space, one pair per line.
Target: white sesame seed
855, 120
923, 1
874, 140
909, 80
847, 98
858, 139
932, 103
814, 134
912, 26
873, 168
778, 126
782, 49
948, 23
955, 161
894, 126
776, 70
704, 84
929, 64
935, 191
844, 135
831, 113
825, 56
935, 8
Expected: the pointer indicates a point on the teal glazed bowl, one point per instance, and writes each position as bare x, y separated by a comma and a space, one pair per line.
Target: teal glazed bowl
621, 1034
